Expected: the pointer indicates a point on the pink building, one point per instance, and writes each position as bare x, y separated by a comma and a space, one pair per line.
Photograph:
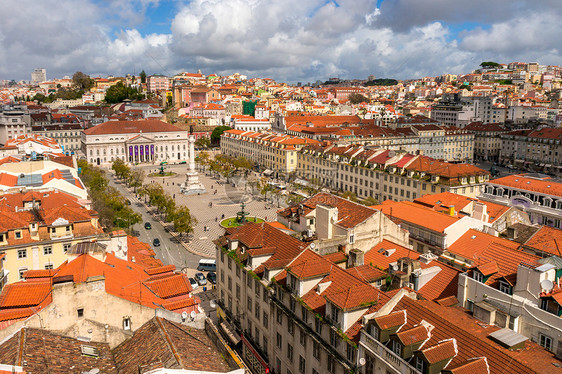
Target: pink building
157, 83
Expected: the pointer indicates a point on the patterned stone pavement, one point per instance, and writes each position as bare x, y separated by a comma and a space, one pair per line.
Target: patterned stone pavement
225, 201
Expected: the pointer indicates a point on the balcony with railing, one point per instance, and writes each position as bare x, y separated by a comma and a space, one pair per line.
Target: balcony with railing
384, 354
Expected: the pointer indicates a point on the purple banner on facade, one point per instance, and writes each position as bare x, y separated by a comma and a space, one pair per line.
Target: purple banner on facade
136, 150
130, 150
152, 149
141, 150
146, 149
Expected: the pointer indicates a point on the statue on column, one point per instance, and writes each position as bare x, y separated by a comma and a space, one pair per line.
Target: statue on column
192, 185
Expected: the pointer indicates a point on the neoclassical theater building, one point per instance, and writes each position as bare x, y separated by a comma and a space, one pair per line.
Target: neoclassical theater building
142, 141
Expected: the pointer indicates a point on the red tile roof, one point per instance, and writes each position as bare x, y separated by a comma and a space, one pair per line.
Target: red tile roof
546, 240
391, 320
387, 252
350, 214
24, 294
367, 273
416, 214
444, 350
131, 127
472, 339
544, 185
417, 334
123, 279
472, 243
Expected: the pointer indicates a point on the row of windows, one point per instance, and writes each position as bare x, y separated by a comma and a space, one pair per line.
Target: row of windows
47, 250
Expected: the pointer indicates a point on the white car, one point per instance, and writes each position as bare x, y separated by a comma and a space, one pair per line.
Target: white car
194, 284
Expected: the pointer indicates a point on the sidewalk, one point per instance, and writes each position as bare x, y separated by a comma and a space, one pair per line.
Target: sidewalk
226, 201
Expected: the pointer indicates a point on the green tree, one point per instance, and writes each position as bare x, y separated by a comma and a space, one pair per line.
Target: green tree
356, 98
136, 178
217, 132
142, 76
265, 187
183, 221
203, 142
350, 195
119, 92
122, 170
489, 64
82, 81
370, 201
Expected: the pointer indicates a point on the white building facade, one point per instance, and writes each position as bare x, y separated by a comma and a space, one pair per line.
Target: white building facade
144, 141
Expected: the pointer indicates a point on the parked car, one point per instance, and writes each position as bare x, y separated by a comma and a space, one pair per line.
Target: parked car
147, 225
200, 278
194, 284
212, 277
156, 242
207, 265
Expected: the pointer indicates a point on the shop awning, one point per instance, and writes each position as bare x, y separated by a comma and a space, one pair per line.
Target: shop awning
268, 172
229, 331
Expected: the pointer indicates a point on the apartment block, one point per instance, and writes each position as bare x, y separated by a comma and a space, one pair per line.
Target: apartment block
386, 174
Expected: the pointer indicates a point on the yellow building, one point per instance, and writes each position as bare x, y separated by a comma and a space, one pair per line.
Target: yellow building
277, 152
38, 228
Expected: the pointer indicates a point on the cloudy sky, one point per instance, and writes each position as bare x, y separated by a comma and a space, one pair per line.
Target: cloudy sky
288, 40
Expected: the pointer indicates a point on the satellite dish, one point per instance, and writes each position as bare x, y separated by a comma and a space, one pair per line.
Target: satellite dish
362, 361
394, 267
193, 314
184, 315
547, 285
94, 371
312, 245
212, 304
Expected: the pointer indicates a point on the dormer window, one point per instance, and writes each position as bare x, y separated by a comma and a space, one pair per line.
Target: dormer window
477, 276
505, 287
397, 347
334, 314
292, 282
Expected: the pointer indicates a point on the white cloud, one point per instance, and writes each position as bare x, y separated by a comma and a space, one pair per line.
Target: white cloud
287, 40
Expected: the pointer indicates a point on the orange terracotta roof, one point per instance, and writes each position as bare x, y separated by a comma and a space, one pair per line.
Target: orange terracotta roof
413, 335
387, 252
367, 273
416, 214
472, 243
441, 285
544, 185
477, 365
310, 265
472, 338
444, 350
350, 214
131, 127
547, 240
391, 320
24, 294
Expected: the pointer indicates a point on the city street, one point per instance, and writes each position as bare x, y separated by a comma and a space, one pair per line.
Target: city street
225, 201
170, 251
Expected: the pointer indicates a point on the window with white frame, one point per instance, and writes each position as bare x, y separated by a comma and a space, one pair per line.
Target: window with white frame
21, 272
505, 287
545, 341
420, 364
477, 276
397, 348
22, 254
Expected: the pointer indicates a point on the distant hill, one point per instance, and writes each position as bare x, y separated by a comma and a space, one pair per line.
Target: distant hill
382, 82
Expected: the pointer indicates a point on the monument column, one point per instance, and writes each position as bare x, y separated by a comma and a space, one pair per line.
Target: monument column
191, 154
192, 184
